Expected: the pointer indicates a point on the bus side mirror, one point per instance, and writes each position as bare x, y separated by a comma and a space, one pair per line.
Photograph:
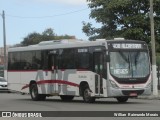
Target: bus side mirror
107, 58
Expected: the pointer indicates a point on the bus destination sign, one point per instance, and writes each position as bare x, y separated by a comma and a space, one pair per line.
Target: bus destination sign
127, 46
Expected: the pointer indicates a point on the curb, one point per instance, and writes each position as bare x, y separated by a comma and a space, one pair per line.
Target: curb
151, 97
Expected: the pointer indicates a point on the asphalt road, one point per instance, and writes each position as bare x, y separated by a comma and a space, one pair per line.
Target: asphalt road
18, 102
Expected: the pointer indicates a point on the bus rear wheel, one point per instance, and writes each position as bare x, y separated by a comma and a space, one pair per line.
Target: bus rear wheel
87, 95
66, 97
122, 99
34, 93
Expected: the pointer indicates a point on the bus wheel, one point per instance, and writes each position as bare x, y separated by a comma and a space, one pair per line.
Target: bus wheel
34, 93
87, 95
122, 99
66, 97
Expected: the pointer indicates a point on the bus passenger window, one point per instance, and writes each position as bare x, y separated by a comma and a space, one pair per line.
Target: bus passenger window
82, 61
67, 60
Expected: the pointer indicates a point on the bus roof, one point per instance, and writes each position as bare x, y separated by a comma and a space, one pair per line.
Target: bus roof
55, 44
67, 43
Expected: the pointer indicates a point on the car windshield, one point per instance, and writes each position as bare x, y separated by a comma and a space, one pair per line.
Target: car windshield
129, 64
2, 80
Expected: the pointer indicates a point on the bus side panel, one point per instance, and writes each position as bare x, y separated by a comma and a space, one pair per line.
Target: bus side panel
77, 78
68, 84
14, 81
81, 76
26, 77
42, 79
72, 79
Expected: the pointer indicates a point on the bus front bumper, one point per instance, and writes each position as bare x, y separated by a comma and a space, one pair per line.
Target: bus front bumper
116, 92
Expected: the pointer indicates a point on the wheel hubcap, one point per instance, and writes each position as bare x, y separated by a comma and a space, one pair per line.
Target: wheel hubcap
87, 94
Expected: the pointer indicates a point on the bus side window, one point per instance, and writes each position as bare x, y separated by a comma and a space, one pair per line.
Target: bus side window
82, 61
50, 62
14, 61
36, 60
44, 55
67, 59
26, 58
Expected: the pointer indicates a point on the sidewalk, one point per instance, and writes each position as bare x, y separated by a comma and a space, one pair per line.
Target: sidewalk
151, 97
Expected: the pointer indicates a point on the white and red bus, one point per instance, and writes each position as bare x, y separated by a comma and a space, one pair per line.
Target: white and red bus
72, 68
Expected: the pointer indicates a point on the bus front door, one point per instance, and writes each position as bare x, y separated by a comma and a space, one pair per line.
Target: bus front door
98, 68
53, 67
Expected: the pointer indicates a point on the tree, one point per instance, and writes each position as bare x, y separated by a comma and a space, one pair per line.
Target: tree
46, 35
32, 38
48, 32
122, 18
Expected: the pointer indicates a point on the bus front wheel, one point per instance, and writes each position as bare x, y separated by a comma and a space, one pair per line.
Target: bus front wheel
87, 95
34, 93
122, 99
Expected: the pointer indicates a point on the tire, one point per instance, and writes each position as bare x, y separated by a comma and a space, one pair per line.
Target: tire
66, 97
34, 93
87, 95
122, 99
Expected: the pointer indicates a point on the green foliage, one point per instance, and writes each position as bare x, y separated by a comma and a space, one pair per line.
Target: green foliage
48, 32
122, 18
89, 30
32, 38
46, 35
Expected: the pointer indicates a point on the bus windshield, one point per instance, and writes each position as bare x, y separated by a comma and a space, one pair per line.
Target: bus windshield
129, 64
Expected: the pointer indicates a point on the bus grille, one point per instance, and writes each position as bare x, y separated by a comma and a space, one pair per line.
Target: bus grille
128, 92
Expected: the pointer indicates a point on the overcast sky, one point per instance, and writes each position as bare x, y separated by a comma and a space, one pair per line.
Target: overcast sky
27, 16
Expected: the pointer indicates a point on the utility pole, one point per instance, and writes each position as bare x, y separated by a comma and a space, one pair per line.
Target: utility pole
154, 67
4, 42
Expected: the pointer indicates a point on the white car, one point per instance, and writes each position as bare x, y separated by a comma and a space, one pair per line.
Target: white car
3, 84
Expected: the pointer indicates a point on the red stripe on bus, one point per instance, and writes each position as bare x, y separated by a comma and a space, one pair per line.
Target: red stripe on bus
26, 86
58, 81
53, 81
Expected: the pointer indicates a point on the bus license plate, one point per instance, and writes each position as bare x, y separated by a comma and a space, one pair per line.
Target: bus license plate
133, 94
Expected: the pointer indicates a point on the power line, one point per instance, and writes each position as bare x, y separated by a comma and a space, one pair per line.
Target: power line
42, 17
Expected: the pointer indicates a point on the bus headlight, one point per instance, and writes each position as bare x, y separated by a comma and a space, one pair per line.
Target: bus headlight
114, 85
148, 85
